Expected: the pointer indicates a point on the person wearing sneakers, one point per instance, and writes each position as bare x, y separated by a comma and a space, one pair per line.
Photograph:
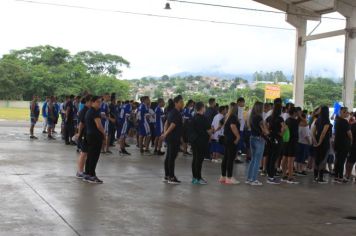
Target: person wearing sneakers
276, 128
44, 115
199, 136
159, 126
343, 141
82, 139
124, 126
172, 134
259, 130
95, 134
50, 110
144, 127
232, 138
321, 135
290, 147
34, 114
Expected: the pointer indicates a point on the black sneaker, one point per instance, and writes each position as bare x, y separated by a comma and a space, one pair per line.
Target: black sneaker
165, 179
33, 137
126, 145
44, 132
321, 181
92, 180
174, 180
51, 137
237, 161
124, 152
160, 153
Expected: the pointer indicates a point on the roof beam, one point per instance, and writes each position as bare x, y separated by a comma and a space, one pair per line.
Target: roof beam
300, 2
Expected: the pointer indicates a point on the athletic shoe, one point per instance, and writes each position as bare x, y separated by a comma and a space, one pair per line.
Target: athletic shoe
80, 175
33, 137
272, 181
292, 181
160, 153
126, 145
44, 132
248, 181
108, 152
263, 173
216, 161
222, 180
165, 179
337, 181
237, 161
203, 181
321, 181
284, 179
344, 181
93, 180
124, 152
174, 181
195, 181
187, 154
231, 181
256, 183
51, 138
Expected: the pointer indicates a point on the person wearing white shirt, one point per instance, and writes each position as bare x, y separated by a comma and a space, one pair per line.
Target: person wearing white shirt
217, 149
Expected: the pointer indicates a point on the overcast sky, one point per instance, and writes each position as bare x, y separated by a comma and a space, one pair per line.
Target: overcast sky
157, 46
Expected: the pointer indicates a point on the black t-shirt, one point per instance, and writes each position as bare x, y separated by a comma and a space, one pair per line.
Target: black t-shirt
353, 130
69, 105
341, 138
275, 126
293, 126
201, 125
210, 113
81, 117
319, 124
174, 116
229, 135
90, 124
256, 126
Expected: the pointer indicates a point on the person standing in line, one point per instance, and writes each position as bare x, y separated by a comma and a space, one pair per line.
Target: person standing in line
50, 110
343, 141
104, 112
95, 134
187, 119
82, 137
172, 134
321, 134
68, 123
57, 111
276, 128
290, 147
124, 124
232, 137
199, 139
34, 114
217, 148
211, 111
242, 146
112, 122
44, 115
159, 126
259, 130
304, 142
352, 158
144, 127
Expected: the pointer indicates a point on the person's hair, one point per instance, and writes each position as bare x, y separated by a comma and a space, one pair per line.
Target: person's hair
170, 105
298, 109
277, 110
343, 109
190, 102
199, 106
177, 99
257, 110
277, 101
292, 111
324, 115
240, 99
154, 105
159, 100
222, 108
232, 111
71, 96
87, 98
95, 98
211, 101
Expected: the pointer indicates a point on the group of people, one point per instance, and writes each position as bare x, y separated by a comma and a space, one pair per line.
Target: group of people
280, 142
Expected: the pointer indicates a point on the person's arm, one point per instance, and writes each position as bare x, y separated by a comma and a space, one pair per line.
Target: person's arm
313, 135
323, 133
264, 128
80, 129
168, 130
99, 126
236, 132
349, 133
67, 112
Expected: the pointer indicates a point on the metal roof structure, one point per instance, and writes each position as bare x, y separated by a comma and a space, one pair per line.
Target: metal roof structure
298, 12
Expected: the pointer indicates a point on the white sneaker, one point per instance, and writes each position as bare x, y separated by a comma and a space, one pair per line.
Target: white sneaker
256, 183
248, 182
231, 181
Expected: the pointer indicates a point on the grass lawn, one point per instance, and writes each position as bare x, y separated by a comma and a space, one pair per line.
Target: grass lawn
15, 114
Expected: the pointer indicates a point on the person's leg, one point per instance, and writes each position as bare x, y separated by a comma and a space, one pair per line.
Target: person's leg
224, 160
166, 166
284, 165
172, 158
147, 142
195, 160
253, 146
230, 160
258, 155
32, 127
202, 152
90, 156
342, 161
290, 167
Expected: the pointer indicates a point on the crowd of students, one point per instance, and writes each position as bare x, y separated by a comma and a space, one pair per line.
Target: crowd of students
279, 142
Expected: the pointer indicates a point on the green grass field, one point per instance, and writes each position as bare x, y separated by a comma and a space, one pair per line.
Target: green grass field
20, 114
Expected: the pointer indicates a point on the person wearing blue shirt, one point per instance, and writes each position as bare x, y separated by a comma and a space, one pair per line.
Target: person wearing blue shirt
34, 114
159, 126
187, 118
44, 115
56, 113
144, 128
104, 111
124, 126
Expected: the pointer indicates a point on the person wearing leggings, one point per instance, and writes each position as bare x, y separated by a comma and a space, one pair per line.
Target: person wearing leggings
321, 138
232, 137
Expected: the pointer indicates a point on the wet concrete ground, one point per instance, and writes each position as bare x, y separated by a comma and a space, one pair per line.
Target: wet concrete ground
41, 196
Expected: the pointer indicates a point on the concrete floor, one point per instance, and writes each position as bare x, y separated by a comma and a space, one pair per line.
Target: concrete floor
40, 196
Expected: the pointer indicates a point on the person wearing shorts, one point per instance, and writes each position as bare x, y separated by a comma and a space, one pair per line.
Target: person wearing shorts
34, 114
44, 115
104, 112
159, 126
124, 126
50, 110
144, 127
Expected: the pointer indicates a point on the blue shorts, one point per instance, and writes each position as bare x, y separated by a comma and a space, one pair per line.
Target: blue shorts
144, 129
158, 131
50, 123
123, 130
216, 147
34, 120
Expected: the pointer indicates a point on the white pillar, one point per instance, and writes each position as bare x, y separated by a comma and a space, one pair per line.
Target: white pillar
300, 56
349, 62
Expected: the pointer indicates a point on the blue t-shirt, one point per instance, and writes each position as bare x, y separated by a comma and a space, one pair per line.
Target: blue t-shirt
44, 109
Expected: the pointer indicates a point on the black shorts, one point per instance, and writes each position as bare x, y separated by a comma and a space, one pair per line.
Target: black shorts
290, 149
84, 145
352, 157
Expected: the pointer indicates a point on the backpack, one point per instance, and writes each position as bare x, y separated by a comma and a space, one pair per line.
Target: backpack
286, 135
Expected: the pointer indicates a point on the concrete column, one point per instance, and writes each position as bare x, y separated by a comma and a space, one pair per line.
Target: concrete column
349, 62
300, 56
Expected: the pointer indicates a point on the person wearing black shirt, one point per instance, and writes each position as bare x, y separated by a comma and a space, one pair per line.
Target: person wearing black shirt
199, 138
343, 141
68, 122
211, 111
172, 134
321, 135
290, 147
232, 137
257, 143
352, 158
82, 139
112, 122
276, 127
95, 136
